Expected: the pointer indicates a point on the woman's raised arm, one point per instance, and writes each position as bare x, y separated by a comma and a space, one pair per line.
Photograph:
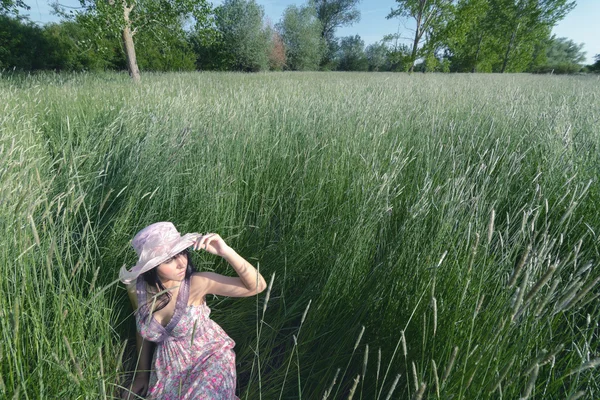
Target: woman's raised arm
248, 282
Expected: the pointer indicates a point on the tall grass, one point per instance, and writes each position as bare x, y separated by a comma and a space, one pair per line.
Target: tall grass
456, 218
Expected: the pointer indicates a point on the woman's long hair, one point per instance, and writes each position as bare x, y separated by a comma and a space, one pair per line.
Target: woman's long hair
151, 278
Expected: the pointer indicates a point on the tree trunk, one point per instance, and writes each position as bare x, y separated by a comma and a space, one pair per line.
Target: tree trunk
132, 66
508, 49
413, 55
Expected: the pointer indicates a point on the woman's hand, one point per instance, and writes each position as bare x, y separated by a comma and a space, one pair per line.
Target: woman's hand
138, 388
213, 243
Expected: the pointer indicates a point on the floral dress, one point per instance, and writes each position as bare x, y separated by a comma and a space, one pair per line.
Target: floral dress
193, 357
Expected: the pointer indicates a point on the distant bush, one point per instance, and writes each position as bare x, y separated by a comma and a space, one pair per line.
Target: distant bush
595, 67
560, 69
22, 45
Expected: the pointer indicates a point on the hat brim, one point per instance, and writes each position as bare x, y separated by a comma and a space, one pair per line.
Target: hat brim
128, 276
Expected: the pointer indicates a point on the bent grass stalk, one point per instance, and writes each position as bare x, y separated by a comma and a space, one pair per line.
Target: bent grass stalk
358, 339
436, 379
259, 326
402, 339
353, 388
330, 388
364, 370
294, 349
393, 387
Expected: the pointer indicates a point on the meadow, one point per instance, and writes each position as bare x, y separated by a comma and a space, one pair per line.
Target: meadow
427, 236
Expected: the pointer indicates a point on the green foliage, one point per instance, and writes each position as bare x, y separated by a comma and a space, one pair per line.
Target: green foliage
431, 19
559, 69
501, 35
595, 67
351, 54
470, 41
167, 51
560, 56
62, 47
399, 55
300, 30
156, 17
334, 14
157, 24
520, 26
245, 40
432, 63
11, 7
77, 49
22, 45
277, 58
377, 54
564, 51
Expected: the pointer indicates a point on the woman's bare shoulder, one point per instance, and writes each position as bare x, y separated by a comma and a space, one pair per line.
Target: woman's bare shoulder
198, 285
197, 281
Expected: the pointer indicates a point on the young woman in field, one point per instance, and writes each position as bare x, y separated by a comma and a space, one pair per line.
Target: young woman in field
182, 353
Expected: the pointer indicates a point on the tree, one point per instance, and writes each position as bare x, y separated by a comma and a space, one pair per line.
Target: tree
523, 24
398, 56
166, 49
334, 14
595, 67
469, 37
22, 44
245, 40
8, 7
125, 18
559, 56
351, 54
277, 59
501, 35
430, 17
301, 33
377, 56
76, 49
564, 51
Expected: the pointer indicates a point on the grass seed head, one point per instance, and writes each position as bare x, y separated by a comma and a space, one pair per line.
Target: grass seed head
418, 395
491, 226
393, 387
436, 379
531, 382
415, 376
353, 388
450, 364
360, 335
365, 361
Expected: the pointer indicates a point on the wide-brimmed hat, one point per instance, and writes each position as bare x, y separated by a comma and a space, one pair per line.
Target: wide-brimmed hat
154, 245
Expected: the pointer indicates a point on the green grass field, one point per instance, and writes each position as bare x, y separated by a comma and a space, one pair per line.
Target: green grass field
455, 217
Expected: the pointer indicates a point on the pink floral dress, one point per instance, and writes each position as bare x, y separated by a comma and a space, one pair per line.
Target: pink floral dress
193, 357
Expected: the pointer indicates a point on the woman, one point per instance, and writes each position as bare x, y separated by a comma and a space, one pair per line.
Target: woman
182, 353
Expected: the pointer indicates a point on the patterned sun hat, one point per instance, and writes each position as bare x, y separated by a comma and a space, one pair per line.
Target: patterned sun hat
155, 244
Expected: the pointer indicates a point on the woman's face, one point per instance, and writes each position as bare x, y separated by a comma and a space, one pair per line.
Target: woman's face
173, 269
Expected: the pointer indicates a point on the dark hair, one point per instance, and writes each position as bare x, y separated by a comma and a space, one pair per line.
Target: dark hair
151, 278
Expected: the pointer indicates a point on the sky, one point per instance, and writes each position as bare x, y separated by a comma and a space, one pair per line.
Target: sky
581, 25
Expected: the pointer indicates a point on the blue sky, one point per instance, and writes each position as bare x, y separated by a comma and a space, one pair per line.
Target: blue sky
581, 25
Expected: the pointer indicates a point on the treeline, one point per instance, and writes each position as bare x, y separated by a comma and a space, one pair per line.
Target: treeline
185, 35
